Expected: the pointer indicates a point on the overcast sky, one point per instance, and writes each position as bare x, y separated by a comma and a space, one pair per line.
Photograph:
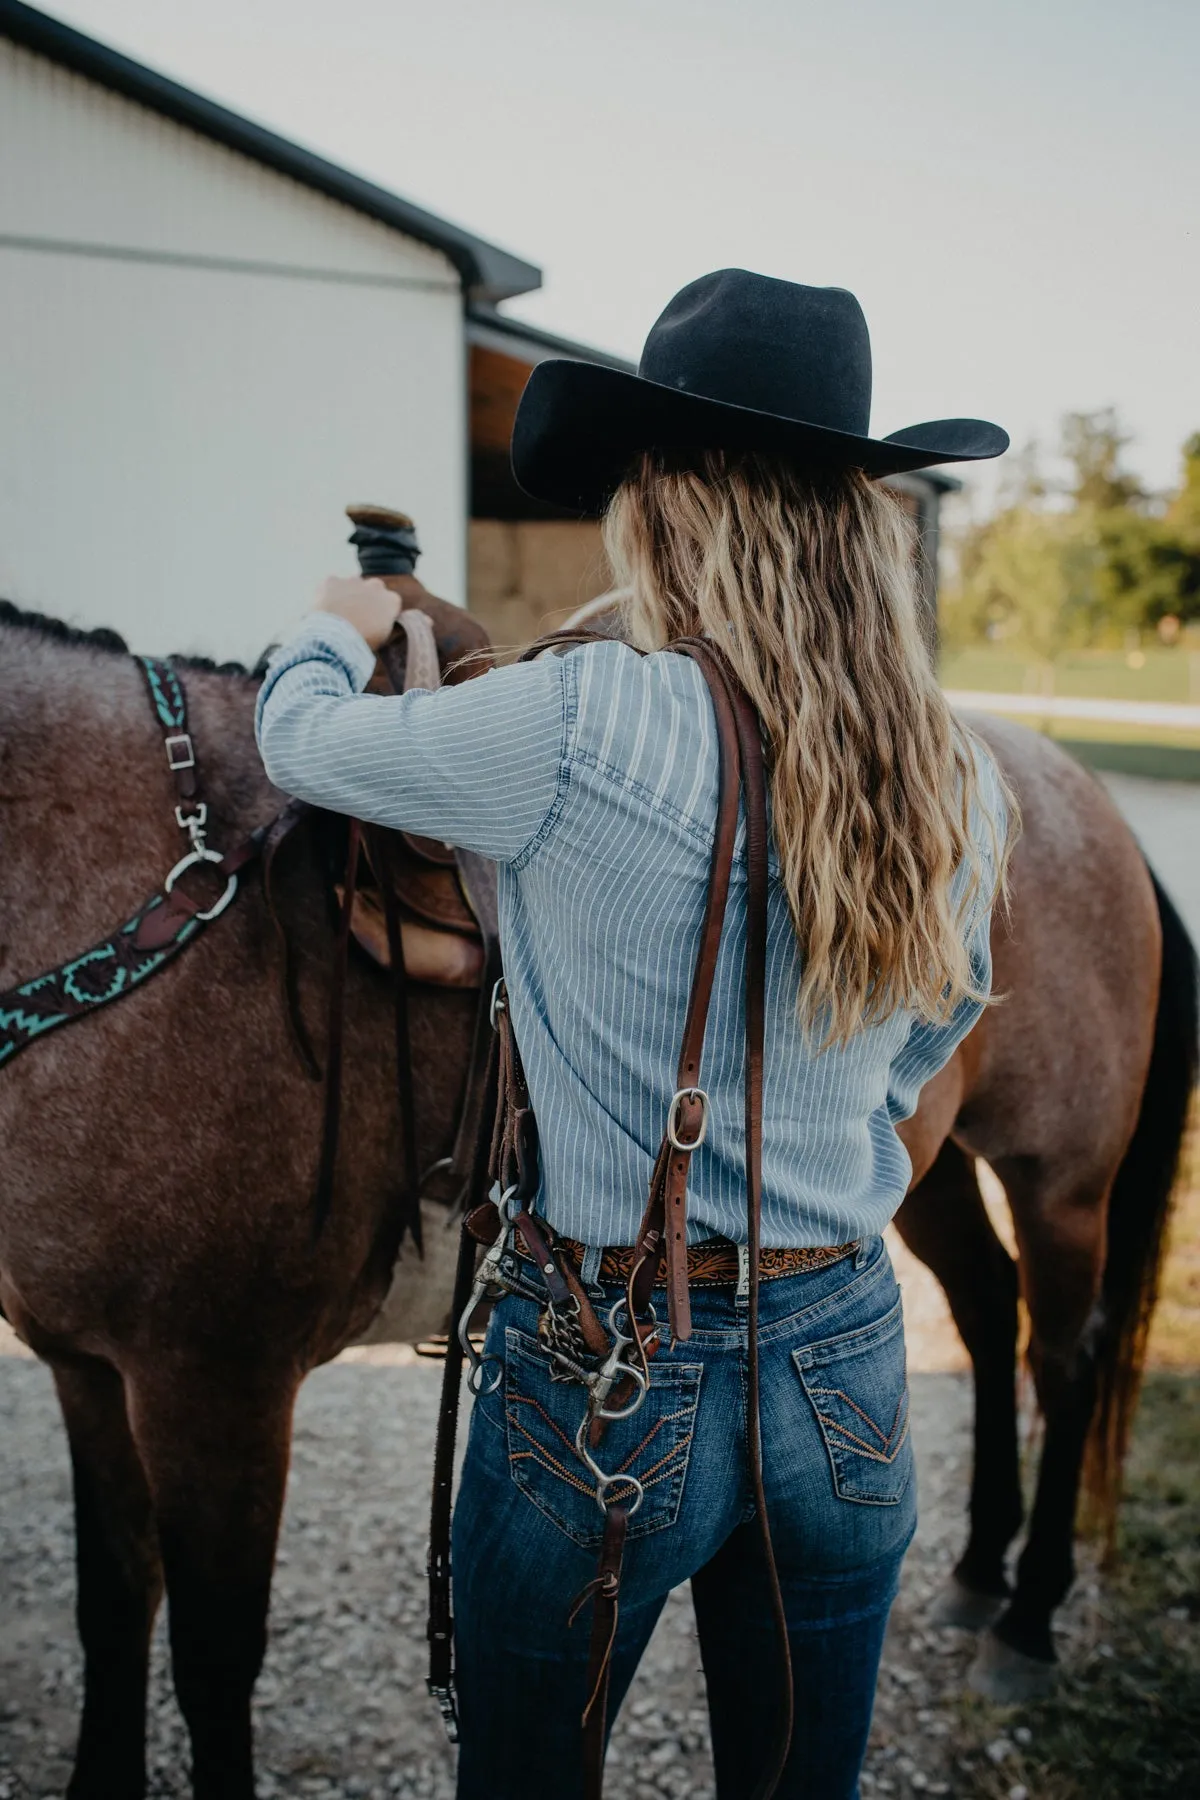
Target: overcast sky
1011, 187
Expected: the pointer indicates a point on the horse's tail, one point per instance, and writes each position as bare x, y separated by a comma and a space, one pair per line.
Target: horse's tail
1139, 1211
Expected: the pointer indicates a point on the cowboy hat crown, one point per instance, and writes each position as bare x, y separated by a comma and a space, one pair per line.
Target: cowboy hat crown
735, 361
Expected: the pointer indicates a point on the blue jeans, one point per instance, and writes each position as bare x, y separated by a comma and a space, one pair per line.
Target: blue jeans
841, 1497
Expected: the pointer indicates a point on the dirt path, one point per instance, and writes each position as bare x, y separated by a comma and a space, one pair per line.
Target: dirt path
341, 1704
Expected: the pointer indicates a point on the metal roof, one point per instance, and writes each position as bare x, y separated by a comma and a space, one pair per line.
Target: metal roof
488, 274
529, 343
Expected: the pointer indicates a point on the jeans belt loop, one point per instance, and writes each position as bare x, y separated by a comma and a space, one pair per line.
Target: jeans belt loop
741, 1294
863, 1251
589, 1270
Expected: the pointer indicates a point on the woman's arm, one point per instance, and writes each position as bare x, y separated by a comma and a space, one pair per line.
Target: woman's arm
482, 764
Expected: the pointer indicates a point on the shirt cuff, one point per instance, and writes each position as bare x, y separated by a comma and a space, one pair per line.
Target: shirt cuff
328, 636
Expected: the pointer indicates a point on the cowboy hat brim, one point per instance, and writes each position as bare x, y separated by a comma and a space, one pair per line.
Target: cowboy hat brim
579, 426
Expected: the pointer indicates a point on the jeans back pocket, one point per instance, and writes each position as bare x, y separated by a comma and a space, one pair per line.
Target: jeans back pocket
653, 1444
857, 1385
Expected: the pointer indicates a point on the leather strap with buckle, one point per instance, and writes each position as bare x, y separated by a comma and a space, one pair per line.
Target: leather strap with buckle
661, 1249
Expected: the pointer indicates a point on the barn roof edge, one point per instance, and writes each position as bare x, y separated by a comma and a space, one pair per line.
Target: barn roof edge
488, 273
483, 321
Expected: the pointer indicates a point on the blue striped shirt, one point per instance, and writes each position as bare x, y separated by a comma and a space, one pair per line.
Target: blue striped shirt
591, 779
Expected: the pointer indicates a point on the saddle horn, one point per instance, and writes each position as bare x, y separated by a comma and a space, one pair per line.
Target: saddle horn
386, 540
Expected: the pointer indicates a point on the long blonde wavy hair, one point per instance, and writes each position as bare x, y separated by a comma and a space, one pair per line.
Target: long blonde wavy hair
809, 585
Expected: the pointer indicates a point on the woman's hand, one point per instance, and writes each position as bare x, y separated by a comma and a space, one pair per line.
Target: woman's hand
364, 602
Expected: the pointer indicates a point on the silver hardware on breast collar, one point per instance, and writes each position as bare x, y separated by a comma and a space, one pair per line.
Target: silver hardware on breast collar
193, 822
201, 855
181, 752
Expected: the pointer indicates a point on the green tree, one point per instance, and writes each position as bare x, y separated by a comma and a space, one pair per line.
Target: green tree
1079, 563
1182, 516
1148, 572
1092, 443
1014, 582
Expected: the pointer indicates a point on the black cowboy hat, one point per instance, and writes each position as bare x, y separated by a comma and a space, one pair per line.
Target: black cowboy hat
735, 362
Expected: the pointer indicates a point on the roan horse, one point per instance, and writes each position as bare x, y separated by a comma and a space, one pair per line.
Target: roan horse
1075, 1088
157, 1242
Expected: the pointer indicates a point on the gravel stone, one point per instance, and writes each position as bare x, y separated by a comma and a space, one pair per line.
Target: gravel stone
341, 1708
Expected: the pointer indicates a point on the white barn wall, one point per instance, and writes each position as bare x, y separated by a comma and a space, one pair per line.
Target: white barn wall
201, 361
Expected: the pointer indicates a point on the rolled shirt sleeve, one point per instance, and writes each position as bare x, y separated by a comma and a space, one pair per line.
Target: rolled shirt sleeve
930, 1045
482, 765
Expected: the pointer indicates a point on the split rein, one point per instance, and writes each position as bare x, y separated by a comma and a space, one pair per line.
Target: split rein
611, 1359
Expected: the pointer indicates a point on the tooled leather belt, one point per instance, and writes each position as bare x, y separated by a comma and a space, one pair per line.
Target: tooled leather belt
710, 1264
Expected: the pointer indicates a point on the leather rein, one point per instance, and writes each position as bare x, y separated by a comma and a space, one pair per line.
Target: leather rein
612, 1361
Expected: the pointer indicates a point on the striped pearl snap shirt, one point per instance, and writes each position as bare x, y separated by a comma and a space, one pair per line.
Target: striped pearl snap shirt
591, 779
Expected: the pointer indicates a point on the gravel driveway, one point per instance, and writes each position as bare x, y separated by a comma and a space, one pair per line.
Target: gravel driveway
341, 1704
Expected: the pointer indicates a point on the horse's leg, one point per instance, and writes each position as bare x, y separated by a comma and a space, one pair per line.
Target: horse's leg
945, 1222
1060, 1230
215, 1443
119, 1581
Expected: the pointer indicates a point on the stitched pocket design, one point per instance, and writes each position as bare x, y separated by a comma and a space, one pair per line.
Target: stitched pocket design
542, 1417
858, 1388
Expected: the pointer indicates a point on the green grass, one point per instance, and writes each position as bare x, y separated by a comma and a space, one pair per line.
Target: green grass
1171, 675
1175, 1329
1124, 1722
1166, 752
1160, 758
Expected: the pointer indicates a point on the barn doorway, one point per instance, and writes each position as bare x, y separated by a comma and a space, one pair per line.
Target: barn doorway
529, 565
